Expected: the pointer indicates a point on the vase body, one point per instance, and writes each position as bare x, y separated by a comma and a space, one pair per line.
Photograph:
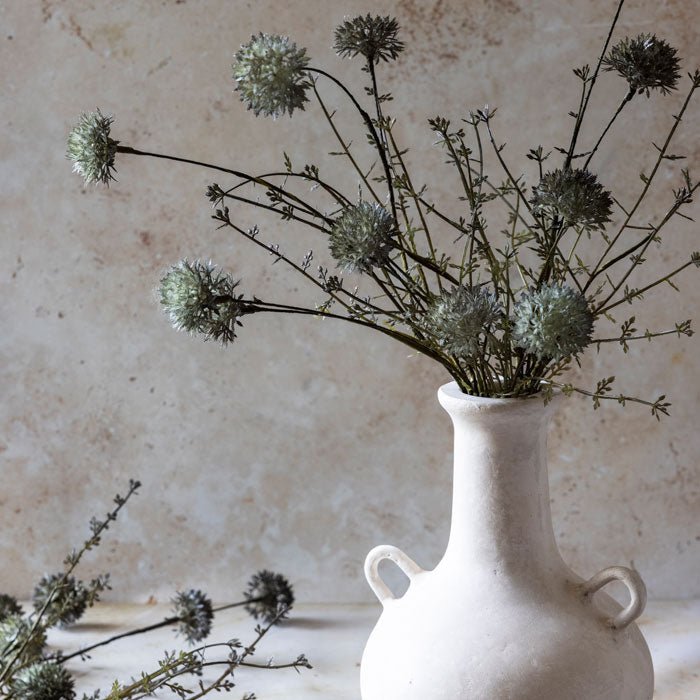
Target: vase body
502, 617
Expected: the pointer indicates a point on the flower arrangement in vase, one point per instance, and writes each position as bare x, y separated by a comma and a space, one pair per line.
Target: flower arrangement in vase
505, 313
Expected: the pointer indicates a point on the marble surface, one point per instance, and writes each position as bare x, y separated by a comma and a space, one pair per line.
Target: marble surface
333, 637
304, 444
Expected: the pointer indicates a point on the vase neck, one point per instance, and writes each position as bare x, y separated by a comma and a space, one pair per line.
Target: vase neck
501, 517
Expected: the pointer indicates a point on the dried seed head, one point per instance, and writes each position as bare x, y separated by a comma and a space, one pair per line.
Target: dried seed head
373, 37
268, 594
45, 680
575, 196
460, 318
196, 613
201, 300
361, 237
646, 63
270, 74
91, 149
552, 322
9, 605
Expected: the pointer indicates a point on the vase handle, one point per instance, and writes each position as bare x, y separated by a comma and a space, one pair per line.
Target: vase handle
403, 561
637, 589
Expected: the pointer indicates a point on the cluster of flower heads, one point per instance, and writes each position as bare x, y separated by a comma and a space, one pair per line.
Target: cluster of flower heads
17, 636
200, 299
552, 322
91, 148
372, 37
574, 196
361, 237
195, 614
63, 599
459, 319
270, 74
646, 63
269, 596
43, 680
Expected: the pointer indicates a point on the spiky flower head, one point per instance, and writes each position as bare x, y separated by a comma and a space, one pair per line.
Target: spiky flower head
575, 196
268, 594
373, 37
9, 605
270, 74
67, 599
460, 318
45, 680
91, 148
200, 299
196, 613
15, 630
361, 237
552, 322
646, 63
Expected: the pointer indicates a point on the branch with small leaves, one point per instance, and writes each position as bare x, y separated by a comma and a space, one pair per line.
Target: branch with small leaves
498, 323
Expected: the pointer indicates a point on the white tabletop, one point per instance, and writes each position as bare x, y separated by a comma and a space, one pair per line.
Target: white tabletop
332, 637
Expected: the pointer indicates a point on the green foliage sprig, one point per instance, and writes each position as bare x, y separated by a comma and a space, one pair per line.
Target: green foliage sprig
29, 672
507, 313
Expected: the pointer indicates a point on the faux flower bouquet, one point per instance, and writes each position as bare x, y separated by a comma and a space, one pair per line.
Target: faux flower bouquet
505, 313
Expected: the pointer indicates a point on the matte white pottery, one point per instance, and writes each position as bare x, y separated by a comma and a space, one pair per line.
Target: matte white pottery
502, 617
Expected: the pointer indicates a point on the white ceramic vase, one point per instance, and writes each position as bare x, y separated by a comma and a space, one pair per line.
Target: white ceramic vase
502, 617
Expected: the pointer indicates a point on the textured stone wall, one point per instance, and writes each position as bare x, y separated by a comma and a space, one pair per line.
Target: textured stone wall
305, 443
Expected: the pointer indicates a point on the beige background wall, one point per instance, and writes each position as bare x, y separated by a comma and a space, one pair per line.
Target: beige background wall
304, 444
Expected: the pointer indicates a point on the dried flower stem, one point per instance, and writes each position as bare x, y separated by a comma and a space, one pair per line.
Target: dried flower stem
71, 562
625, 100
582, 111
237, 173
647, 184
373, 131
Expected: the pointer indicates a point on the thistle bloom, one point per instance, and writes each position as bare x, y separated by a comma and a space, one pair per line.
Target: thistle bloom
14, 632
361, 237
201, 300
270, 75
196, 613
67, 600
91, 149
460, 318
268, 594
44, 680
9, 606
575, 196
373, 37
552, 322
646, 63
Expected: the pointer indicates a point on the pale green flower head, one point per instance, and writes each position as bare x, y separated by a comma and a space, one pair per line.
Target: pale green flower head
574, 196
361, 237
460, 318
67, 600
14, 631
373, 37
552, 322
196, 613
45, 680
270, 74
201, 300
91, 148
646, 63
268, 594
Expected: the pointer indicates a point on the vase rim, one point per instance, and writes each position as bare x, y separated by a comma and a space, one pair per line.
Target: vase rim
451, 394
